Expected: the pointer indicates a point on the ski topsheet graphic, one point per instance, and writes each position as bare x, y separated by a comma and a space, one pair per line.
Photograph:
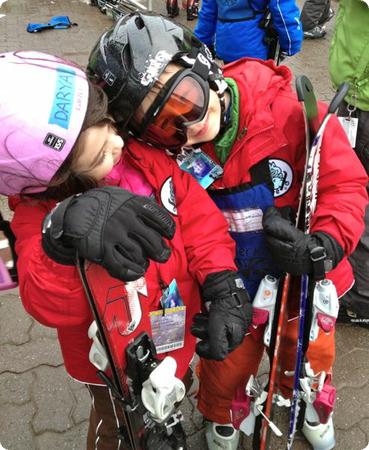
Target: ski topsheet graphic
125, 357
318, 308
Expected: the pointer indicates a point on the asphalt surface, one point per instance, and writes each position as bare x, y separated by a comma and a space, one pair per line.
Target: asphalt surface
41, 408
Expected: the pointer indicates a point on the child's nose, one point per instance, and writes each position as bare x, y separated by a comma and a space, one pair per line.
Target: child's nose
117, 141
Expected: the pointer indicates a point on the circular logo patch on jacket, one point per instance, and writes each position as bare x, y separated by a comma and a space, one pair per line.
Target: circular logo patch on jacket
168, 197
282, 176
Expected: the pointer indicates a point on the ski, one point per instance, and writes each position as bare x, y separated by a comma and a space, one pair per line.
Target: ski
115, 9
125, 356
262, 426
306, 95
306, 207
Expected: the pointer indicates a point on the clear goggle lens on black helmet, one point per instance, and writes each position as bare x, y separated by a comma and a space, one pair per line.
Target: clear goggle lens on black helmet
182, 102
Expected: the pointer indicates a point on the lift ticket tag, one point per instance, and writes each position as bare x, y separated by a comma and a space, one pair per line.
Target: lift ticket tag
168, 324
200, 166
350, 125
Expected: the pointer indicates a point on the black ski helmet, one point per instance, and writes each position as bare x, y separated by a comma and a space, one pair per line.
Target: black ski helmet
128, 59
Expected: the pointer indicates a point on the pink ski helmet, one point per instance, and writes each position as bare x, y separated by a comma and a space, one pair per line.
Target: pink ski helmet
43, 102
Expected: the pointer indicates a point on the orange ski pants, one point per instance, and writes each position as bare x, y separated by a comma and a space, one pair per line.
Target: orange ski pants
219, 380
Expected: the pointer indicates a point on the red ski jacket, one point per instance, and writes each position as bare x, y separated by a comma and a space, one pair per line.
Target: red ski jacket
271, 125
53, 293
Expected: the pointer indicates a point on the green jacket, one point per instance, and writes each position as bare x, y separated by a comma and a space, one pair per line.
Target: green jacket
349, 51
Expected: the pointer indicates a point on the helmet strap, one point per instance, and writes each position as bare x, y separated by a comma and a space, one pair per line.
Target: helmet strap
223, 111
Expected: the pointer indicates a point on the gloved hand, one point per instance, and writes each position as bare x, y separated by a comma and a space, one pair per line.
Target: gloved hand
229, 315
111, 227
291, 249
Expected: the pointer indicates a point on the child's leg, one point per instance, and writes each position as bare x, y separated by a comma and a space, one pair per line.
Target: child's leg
105, 418
220, 379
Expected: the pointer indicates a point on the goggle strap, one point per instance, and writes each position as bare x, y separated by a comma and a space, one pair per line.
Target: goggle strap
201, 67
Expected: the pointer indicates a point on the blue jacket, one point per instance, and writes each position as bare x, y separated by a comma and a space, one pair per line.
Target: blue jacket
233, 27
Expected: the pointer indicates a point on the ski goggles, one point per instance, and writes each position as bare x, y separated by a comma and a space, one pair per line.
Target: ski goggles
182, 102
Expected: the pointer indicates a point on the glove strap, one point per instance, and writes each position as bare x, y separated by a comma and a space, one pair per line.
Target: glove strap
318, 256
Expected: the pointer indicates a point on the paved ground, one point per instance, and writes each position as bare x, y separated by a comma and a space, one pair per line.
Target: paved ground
40, 407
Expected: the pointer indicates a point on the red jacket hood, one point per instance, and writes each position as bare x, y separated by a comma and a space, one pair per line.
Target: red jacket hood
266, 79
259, 83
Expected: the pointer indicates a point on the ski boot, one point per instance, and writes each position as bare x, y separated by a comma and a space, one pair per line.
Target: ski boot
192, 9
221, 437
172, 8
320, 435
318, 426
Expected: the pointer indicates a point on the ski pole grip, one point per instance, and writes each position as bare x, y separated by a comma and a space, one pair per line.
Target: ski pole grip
338, 98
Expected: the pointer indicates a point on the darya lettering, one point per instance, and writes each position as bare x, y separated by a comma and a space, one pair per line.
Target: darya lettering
63, 100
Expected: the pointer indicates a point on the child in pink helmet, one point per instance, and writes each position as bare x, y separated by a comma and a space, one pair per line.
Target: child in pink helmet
58, 144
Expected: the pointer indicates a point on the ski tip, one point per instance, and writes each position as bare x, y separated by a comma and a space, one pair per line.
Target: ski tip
303, 87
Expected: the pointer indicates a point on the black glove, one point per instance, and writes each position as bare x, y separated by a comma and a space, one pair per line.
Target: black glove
296, 252
111, 227
223, 328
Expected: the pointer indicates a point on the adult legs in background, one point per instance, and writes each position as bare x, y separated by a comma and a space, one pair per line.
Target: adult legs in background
314, 14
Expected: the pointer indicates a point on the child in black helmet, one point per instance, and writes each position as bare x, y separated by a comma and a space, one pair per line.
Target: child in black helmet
164, 88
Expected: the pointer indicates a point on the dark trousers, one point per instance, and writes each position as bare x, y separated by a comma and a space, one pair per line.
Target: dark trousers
357, 299
314, 13
105, 417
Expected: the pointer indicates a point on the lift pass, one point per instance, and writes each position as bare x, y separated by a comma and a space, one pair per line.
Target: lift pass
350, 125
168, 324
200, 166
